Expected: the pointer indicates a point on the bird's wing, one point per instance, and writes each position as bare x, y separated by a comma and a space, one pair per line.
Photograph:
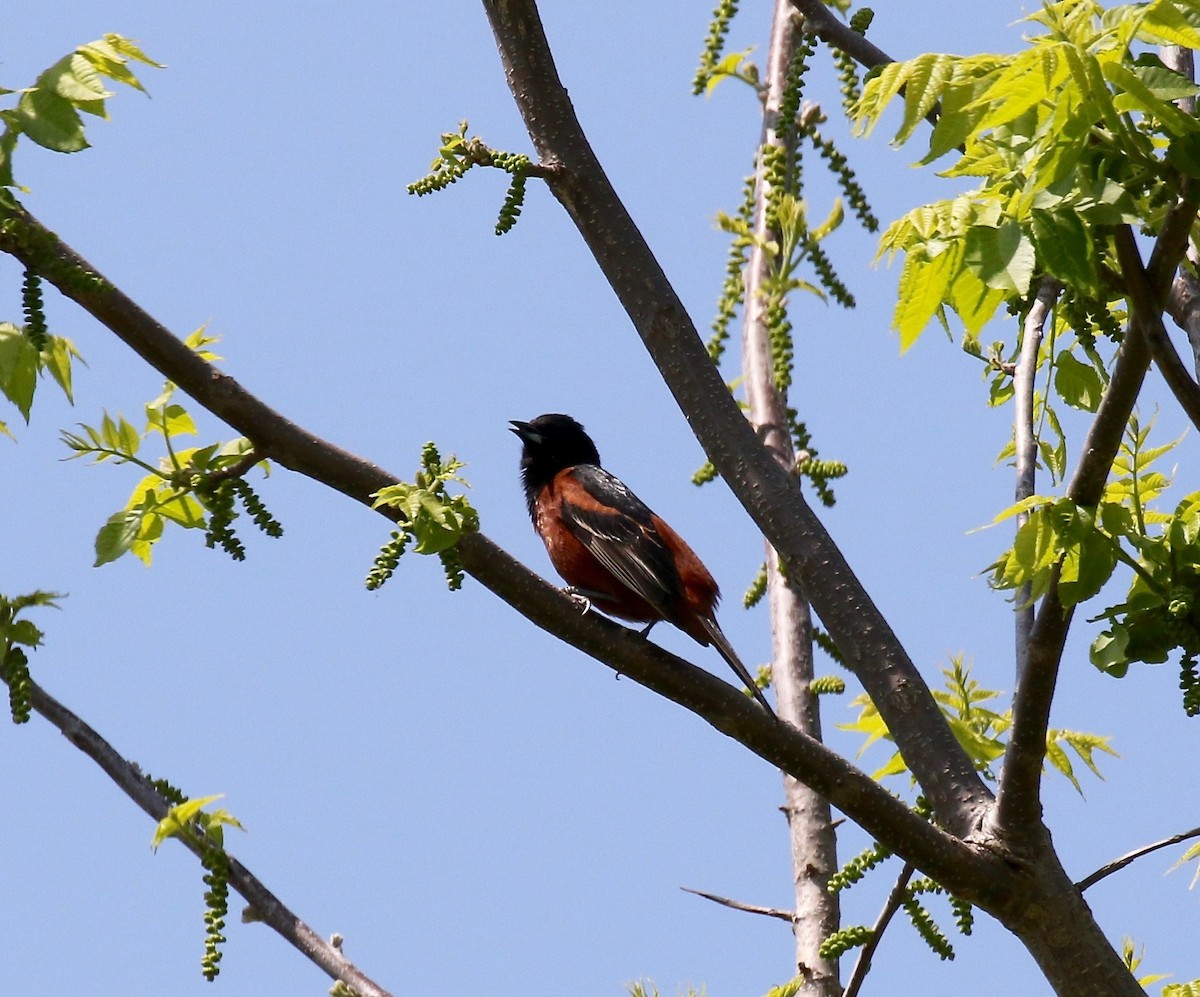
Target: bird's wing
618, 529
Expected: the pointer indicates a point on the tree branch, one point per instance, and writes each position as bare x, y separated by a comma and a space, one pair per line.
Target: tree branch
769, 494
783, 915
894, 900
810, 830
1025, 443
856, 794
1019, 796
267, 907
820, 20
1118, 864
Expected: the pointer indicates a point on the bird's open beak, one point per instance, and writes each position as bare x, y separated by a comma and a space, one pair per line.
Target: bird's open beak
523, 430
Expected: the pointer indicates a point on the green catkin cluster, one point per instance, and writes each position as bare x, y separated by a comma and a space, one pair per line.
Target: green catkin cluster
839, 166
757, 589
216, 903
827, 685
514, 200
964, 915
714, 44
254, 506
809, 465
857, 867
848, 78
459, 154
822, 639
15, 671
927, 927
787, 123
173, 796
733, 289
842, 941
452, 566
221, 513
387, 559
704, 474
35, 315
444, 173
779, 330
1189, 682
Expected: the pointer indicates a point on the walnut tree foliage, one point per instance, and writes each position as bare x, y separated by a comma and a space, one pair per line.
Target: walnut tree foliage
1069, 143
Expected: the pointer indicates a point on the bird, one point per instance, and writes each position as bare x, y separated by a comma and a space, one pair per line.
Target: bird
607, 544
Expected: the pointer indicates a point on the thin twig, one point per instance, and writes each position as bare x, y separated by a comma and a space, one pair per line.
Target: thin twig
1026, 442
783, 915
893, 903
1118, 864
267, 907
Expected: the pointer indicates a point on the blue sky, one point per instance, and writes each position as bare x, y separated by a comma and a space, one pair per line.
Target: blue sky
474, 806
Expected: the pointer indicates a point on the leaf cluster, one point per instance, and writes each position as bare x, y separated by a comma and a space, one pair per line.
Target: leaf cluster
980, 730
192, 487
1075, 133
49, 112
428, 517
458, 154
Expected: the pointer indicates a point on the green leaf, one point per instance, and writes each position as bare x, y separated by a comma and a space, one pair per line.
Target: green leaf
1085, 568
75, 78
927, 75
116, 537
1064, 247
1136, 96
1003, 258
179, 819
1162, 21
171, 420
50, 120
1109, 652
18, 368
1058, 758
57, 359
1078, 384
923, 284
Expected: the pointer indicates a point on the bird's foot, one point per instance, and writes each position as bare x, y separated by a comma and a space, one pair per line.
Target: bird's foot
582, 598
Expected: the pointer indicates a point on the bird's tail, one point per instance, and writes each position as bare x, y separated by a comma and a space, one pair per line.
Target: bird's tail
721, 643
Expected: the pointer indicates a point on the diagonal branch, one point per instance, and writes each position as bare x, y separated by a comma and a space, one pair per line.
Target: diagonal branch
768, 493
275, 437
893, 903
267, 907
783, 915
1117, 865
820, 20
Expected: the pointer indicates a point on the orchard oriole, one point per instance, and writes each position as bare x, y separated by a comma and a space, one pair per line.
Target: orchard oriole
607, 544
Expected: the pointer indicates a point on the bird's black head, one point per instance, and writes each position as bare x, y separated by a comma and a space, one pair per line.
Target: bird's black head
551, 443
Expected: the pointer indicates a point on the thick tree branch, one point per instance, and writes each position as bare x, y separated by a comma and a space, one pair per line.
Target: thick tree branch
274, 436
770, 495
1117, 865
267, 907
